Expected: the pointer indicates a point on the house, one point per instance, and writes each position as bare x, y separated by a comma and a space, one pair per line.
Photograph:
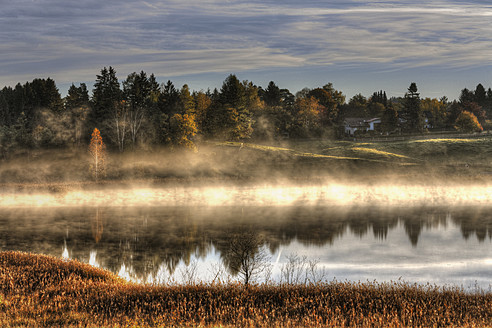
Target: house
374, 124
352, 124
428, 120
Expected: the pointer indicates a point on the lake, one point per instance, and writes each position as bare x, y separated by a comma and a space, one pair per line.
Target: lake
177, 235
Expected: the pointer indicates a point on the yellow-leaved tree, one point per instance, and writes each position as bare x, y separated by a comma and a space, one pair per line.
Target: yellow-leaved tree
97, 149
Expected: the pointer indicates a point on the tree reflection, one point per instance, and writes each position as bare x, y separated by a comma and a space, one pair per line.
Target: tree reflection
245, 256
145, 238
97, 226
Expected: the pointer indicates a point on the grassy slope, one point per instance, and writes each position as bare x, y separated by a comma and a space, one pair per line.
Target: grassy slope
42, 291
468, 159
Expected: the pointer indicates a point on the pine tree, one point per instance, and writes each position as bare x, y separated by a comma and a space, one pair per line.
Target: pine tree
412, 112
272, 95
106, 95
137, 93
480, 95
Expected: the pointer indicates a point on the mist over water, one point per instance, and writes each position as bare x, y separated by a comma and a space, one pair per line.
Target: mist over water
266, 195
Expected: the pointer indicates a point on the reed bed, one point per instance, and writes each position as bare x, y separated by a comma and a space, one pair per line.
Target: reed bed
43, 291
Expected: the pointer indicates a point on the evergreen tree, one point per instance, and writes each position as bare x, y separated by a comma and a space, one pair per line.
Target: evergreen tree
389, 119
466, 96
454, 110
77, 96
480, 95
53, 98
4, 111
106, 95
137, 91
7, 103
272, 95
379, 97
231, 115
412, 113
202, 106
232, 92
169, 101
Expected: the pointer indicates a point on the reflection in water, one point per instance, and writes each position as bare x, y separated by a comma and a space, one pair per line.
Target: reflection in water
93, 259
65, 254
359, 243
97, 226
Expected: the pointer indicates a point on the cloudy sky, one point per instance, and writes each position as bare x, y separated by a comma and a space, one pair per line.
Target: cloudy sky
359, 46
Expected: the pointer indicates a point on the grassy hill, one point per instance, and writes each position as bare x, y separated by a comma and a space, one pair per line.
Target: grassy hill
441, 158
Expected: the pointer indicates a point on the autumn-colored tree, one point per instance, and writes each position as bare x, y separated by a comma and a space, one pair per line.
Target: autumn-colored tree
308, 115
97, 149
182, 130
438, 110
467, 122
202, 105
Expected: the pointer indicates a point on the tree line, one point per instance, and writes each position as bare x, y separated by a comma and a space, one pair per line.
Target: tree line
139, 111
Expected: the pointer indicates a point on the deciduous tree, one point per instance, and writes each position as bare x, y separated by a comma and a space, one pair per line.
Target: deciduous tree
182, 130
467, 122
97, 149
438, 110
308, 115
245, 256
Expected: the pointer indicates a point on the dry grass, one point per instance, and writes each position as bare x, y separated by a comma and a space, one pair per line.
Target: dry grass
41, 291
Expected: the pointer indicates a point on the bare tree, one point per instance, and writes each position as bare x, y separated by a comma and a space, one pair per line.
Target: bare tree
300, 270
136, 117
189, 273
119, 124
219, 273
246, 257
79, 117
295, 270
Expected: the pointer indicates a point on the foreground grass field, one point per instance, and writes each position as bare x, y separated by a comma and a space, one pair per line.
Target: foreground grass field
41, 291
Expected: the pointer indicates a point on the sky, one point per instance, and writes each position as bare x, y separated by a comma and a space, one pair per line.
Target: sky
359, 46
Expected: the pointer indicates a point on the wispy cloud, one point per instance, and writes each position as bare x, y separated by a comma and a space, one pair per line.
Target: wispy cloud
69, 40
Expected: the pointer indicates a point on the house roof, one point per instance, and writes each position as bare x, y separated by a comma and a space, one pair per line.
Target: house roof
355, 121
359, 121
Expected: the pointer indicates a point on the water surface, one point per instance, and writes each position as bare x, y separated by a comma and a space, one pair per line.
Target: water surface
444, 245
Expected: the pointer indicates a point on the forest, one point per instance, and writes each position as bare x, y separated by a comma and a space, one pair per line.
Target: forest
139, 113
